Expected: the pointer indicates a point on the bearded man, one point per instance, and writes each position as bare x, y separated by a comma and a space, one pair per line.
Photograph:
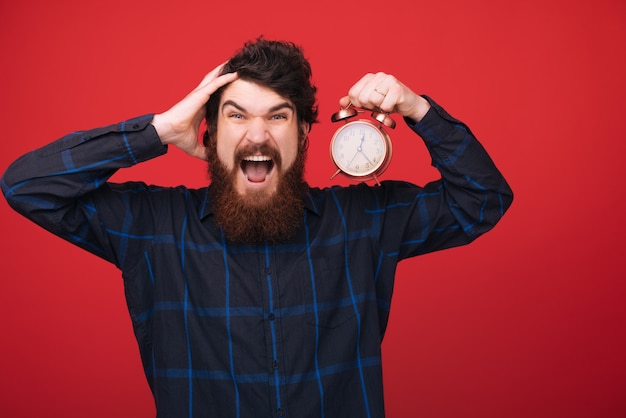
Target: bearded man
258, 295
257, 169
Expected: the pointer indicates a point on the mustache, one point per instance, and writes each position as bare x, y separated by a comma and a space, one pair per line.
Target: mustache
263, 149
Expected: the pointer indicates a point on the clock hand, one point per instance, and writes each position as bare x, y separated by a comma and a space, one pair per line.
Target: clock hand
368, 160
358, 149
355, 154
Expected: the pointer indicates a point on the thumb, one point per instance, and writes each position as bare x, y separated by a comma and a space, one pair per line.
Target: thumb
199, 152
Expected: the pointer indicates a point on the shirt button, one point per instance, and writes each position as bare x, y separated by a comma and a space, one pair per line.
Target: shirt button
267, 270
271, 316
279, 413
275, 365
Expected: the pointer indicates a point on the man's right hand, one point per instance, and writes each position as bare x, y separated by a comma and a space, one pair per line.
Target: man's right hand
179, 125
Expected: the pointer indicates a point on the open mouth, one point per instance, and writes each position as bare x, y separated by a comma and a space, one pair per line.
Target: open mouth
256, 168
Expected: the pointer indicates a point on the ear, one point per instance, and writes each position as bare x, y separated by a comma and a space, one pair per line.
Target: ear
305, 128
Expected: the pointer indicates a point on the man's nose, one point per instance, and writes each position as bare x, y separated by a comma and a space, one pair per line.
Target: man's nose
257, 131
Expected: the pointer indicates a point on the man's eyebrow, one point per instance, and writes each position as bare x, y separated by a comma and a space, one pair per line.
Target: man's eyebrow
233, 104
280, 106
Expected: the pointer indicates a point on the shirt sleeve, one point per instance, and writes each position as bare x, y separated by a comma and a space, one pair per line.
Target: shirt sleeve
54, 185
468, 200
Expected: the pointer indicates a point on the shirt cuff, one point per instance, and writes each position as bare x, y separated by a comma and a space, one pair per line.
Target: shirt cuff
435, 125
143, 141
140, 141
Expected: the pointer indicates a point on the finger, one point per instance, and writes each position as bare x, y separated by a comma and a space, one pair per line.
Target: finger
386, 93
344, 101
369, 98
371, 91
213, 82
389, 101
213, 74
377, 97
355, 92
200, 152
223, 80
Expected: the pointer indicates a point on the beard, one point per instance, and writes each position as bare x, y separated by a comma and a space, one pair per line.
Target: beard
257, 216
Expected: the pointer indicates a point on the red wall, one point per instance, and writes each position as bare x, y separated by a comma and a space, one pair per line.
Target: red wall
527, 321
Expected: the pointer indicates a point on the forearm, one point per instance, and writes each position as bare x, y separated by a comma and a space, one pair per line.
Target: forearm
477, 193
45, 183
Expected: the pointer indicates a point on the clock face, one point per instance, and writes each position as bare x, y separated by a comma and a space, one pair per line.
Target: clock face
359, 148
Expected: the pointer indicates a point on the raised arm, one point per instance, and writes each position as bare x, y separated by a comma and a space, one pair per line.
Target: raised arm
468, 200
60, 185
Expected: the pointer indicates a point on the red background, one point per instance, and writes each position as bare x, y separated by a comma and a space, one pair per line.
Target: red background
528, 321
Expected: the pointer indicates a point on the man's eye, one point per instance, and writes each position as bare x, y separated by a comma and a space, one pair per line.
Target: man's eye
236, 115
279, 116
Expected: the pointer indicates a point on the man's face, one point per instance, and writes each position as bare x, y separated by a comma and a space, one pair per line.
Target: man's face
256, 165
257, 137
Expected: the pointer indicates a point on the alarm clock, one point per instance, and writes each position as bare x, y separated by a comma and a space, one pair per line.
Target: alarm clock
361, 148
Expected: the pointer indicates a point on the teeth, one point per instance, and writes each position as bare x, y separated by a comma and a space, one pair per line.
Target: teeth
258, 158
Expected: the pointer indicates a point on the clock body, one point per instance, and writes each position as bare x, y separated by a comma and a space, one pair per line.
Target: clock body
361, 150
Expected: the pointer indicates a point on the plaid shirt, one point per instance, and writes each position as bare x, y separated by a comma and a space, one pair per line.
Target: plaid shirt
292, 329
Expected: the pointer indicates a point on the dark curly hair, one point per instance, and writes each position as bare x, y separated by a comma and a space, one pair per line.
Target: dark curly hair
278, 65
